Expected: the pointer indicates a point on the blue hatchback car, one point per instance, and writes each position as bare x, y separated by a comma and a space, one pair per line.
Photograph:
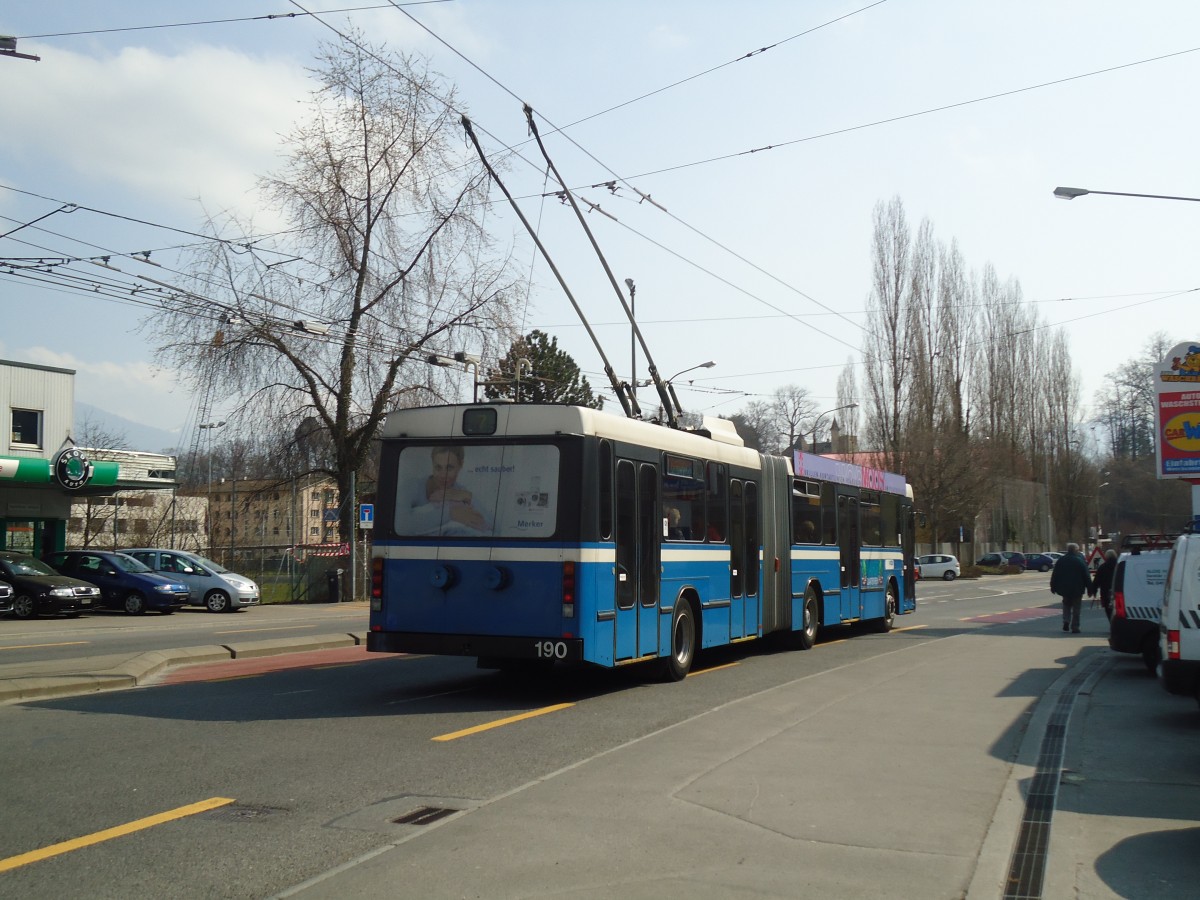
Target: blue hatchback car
124, 582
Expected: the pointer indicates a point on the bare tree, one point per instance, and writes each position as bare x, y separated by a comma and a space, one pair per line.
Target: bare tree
847, 396
791, 407
387, 262
887, 355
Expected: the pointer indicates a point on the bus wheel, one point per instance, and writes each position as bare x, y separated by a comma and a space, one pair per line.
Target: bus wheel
683, 642
807, 636
885, 624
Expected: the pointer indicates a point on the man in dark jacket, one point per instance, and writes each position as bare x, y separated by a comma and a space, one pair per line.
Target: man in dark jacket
1102, 581
1071, 580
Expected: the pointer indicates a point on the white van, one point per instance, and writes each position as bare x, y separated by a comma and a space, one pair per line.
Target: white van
1137, 603
213, 586
1179, 632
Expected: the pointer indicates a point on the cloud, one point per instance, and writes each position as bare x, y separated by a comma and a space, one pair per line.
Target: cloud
136, 391
200, 124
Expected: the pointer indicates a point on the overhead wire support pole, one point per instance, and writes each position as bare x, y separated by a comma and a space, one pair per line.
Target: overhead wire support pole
669, 404
622, 391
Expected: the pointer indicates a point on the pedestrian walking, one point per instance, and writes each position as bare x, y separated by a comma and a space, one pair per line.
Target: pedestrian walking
1071, 580
1103, 581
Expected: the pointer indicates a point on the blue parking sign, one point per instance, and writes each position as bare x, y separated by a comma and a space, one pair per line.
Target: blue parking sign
366, 515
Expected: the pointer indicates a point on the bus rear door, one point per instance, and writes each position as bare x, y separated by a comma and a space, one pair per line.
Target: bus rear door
636, 534
850, 541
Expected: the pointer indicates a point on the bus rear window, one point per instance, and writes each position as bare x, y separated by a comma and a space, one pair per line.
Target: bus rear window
477, 490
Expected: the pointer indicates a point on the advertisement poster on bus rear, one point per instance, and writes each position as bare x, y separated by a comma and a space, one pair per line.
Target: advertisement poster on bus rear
1177, 384
477, 490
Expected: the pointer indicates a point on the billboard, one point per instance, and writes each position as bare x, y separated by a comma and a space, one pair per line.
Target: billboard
1177, 419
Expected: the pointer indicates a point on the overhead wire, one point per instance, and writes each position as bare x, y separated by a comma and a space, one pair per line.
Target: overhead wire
262, 18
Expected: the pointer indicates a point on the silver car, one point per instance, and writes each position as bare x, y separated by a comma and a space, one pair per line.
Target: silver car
939, 565
213, 586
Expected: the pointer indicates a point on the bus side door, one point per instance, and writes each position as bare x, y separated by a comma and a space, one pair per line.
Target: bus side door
850, 542
636, 534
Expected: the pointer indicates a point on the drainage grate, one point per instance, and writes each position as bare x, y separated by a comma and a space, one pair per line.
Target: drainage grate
1027, 869
423, 815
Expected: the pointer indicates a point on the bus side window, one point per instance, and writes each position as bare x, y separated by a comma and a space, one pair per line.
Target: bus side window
871, 519
806, 513
829, 531
717, 513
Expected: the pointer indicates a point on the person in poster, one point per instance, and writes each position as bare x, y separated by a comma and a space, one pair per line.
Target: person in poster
439, 503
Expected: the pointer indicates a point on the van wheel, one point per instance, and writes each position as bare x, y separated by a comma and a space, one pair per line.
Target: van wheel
1150, 654
218, 601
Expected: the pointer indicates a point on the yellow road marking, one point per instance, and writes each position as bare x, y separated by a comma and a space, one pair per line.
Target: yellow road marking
713, 669
910, 628
455, 735
108, 834
253, 630
36, 646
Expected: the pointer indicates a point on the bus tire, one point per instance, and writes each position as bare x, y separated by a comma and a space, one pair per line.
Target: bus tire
683, 642
807, 635
884, 625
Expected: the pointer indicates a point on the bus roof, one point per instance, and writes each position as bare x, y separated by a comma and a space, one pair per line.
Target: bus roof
718, 441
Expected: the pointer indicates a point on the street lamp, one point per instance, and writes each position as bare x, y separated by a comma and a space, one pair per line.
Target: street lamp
1070, 193
1099, 528
703, 365
209, 426
817, 422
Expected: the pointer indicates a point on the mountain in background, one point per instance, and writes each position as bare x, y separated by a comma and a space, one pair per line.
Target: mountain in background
91, 421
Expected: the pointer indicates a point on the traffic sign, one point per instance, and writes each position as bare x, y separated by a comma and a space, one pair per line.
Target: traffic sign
366, 515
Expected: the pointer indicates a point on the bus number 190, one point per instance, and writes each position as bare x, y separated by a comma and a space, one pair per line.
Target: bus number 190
551, 650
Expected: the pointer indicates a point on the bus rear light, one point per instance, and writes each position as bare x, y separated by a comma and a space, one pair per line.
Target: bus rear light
1172, 645
376, 584
568, 588
1119, 604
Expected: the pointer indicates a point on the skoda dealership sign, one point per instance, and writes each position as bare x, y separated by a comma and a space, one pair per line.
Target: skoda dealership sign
72, 469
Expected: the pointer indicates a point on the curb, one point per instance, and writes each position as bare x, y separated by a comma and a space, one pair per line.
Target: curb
144, 666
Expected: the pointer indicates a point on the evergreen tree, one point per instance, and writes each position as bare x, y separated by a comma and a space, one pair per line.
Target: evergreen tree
535, 371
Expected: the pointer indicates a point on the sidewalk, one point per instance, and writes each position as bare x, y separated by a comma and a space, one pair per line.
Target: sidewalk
89, 674
902, 776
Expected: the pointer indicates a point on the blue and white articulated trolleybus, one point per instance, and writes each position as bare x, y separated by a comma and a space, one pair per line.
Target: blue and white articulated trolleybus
559, 533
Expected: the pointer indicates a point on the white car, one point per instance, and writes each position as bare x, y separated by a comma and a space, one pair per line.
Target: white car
939, 565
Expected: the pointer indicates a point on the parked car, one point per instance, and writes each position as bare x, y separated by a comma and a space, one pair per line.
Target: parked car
6, 597
213, 586
1137, 604
939, 565
1179, 638
38, 590
124, 582
1003, 558
1041, 562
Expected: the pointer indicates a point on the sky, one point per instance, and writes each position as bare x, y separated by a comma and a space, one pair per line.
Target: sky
970, 113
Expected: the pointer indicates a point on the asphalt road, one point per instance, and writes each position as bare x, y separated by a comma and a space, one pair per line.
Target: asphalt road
291, 758
104, 632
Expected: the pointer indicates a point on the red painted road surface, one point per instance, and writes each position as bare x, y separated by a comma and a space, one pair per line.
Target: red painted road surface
259, 665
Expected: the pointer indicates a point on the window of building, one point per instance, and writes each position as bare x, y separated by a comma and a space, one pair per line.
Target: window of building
27, 428
314, 530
